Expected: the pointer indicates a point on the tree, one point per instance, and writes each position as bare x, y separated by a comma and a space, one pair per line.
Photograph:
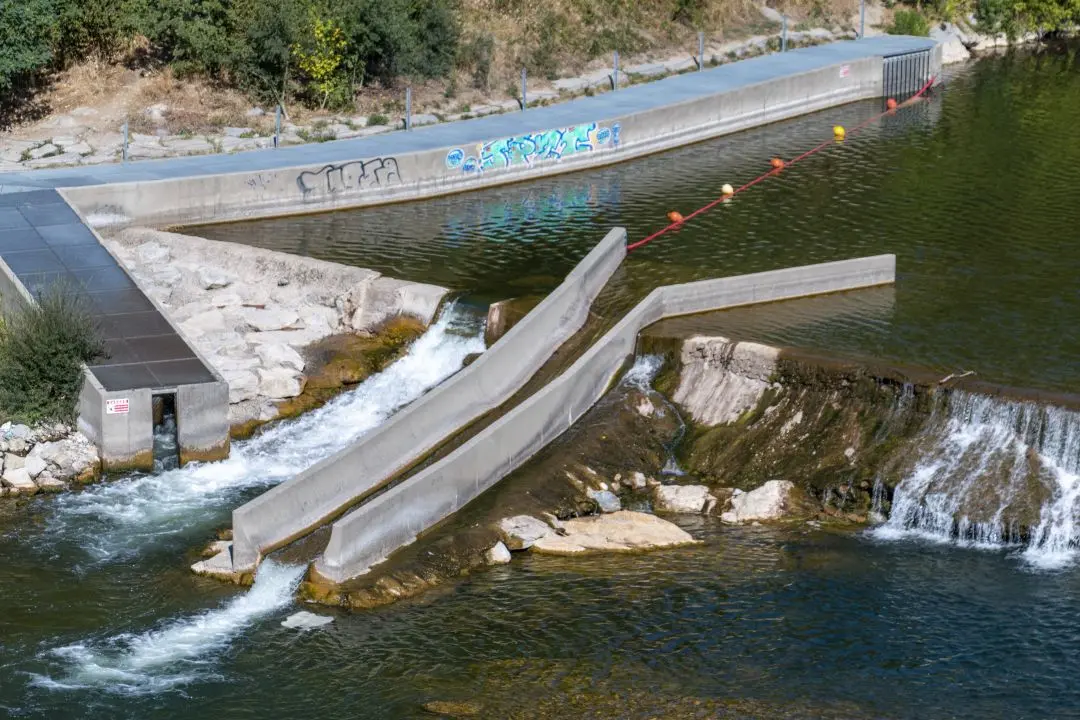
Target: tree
27, 31
320, 55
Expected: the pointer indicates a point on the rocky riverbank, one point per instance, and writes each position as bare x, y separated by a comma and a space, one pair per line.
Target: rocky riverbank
45, 458
285, 332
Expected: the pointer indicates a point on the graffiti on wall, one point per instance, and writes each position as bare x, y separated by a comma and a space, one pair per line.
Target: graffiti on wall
357, 175
533, 148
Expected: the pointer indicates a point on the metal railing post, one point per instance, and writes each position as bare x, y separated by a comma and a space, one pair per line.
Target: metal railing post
277, 126
524, 88
783, 36
615, 74
408, 108
862, 18
701, 50
125, 131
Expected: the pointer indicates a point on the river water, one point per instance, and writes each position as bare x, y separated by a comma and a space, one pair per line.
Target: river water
974, 191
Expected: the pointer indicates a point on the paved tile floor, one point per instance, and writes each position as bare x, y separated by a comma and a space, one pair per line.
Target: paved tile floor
45, 245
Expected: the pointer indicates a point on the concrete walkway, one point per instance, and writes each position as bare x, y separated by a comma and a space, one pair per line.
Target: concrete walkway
626, 101
45, 244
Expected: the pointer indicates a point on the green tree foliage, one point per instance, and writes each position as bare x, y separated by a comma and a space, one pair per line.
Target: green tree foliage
27, 33
42, 350
909, 22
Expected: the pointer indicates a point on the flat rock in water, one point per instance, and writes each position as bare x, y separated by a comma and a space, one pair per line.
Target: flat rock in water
682, 498
305, 620
623, 531
521, 531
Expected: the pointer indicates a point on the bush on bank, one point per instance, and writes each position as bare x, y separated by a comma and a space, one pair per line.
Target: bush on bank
42, 350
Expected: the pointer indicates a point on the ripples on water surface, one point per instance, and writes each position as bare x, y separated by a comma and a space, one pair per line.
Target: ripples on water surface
974, 192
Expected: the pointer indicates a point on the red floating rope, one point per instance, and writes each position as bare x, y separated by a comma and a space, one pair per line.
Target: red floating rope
774, 171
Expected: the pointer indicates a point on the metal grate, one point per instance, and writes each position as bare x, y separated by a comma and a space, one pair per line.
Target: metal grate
903, 75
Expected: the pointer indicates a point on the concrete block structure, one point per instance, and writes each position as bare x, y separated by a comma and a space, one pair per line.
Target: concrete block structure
46, 246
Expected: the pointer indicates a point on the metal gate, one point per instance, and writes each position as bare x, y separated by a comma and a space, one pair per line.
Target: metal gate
904, 75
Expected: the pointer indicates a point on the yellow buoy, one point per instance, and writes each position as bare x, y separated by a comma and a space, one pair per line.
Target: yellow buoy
839, 132
727, 189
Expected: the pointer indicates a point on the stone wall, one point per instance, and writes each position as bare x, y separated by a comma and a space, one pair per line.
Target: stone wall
251, 312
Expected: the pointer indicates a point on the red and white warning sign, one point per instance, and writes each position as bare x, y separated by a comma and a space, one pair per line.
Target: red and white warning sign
845, 70
119, 406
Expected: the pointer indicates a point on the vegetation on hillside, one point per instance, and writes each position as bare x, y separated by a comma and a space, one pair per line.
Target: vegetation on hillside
42, 350
323, 52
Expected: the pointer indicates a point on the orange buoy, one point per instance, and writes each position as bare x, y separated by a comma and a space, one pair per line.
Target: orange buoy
890, 103
777, 163
675, 216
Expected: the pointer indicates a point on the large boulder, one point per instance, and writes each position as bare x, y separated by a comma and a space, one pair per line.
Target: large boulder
623, 531
522, 531
280, 383
280, 355
18, 480
683, 499
772, 501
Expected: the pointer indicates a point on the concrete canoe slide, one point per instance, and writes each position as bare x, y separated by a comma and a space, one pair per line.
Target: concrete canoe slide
370, 533
310, 499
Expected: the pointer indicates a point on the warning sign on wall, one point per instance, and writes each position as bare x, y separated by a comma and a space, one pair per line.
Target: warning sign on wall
120, 406
844, 70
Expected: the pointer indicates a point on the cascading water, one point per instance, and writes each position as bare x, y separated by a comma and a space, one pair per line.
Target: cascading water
176, 653
113, 519
995, 472
641, 376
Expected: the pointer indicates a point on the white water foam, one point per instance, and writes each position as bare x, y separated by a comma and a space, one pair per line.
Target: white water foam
994, 459
177, 653
111, 520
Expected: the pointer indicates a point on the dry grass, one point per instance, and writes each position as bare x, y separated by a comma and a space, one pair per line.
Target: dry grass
194, 106
572, 36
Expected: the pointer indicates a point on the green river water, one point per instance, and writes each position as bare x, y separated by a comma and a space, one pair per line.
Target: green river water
976, 193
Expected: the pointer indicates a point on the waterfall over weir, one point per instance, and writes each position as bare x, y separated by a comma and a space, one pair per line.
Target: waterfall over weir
993, 472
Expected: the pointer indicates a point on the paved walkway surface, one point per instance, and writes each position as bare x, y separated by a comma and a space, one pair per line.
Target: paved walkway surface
45, 244
625, 101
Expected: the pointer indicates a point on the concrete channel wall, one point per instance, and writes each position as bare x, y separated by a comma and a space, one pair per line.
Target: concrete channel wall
756, 97
313, 497
370, 533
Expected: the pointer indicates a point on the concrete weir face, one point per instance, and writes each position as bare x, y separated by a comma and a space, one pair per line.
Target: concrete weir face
370, 533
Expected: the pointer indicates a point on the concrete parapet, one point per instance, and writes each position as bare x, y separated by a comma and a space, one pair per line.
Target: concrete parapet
368, 534
326, 489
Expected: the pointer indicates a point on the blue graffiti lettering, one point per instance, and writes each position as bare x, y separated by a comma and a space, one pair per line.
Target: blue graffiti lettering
533, 148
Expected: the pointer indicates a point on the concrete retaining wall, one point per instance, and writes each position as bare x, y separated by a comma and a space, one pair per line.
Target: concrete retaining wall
312, 498
354, 182
369, 534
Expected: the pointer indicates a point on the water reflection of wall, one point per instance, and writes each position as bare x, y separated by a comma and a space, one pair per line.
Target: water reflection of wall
499, 216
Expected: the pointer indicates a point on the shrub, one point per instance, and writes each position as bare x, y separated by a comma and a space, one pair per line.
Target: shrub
42, 350
909, 22
26, 35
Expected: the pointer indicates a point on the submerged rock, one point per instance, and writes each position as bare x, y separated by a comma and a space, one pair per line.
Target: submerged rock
521, 531
305, 620
623, 531
683, 499
453, 708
